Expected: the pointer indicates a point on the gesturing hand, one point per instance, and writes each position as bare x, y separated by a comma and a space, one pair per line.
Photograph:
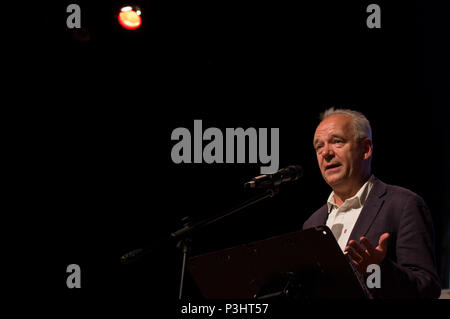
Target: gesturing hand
361, 258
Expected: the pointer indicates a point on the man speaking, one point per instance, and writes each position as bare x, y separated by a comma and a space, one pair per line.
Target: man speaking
373, 222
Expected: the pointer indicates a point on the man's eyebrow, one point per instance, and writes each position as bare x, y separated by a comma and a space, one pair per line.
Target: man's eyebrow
315, 141
337, 135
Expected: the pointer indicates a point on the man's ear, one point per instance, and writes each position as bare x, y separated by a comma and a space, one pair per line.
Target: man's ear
367, 148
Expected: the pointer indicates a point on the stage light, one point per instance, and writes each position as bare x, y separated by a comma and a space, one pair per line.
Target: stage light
130, 17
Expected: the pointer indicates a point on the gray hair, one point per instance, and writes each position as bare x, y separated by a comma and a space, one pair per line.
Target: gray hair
360, 122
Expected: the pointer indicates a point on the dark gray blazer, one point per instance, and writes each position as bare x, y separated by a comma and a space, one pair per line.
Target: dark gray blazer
408, 270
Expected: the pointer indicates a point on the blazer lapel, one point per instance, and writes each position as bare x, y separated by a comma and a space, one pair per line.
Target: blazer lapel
323, 215
370, 210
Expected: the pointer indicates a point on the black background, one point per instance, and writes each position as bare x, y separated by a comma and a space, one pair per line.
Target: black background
97, 147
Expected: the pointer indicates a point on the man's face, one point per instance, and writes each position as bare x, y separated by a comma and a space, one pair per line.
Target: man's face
339, 154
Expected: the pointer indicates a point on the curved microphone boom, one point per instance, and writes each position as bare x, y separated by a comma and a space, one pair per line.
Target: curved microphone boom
284, 175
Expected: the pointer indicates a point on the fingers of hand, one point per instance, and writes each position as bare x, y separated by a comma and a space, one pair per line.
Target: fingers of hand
383, 241
362, 252
370, 249
356, 258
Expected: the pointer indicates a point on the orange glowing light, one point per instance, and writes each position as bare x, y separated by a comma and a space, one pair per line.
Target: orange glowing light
130, 19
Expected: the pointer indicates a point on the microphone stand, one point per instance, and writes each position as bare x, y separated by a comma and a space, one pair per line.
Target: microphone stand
183, 235
185, 243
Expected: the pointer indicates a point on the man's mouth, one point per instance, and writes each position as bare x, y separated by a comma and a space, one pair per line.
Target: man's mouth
332, 166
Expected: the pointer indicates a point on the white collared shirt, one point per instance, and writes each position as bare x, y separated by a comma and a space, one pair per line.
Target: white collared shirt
341, 220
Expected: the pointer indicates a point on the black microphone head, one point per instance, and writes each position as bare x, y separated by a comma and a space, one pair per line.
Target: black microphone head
288, 174
295, 171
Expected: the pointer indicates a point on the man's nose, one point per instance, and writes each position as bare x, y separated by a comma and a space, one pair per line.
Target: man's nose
327, 152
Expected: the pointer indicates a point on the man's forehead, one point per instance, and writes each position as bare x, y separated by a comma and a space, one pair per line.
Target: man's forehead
335, 124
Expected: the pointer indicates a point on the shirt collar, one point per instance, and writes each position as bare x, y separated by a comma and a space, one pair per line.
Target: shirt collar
358, 199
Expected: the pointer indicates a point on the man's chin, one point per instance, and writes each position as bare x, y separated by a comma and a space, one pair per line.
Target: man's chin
333, 180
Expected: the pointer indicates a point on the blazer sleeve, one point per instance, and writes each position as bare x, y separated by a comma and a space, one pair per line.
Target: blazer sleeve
411, 273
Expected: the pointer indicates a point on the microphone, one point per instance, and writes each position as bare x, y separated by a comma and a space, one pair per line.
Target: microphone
131, 256
284, 175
